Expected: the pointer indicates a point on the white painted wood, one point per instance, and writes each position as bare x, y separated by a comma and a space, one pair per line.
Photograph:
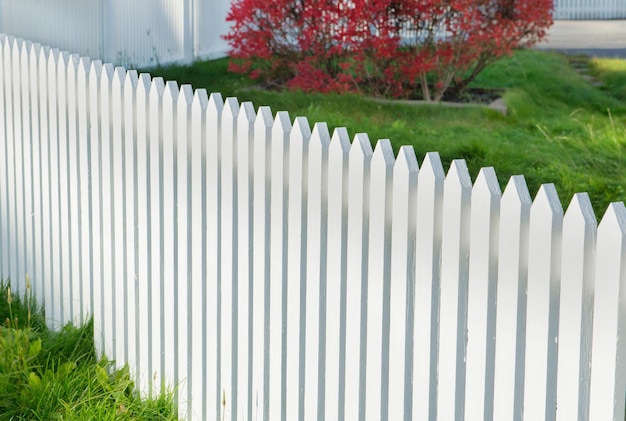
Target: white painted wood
261, 263
316, 276
542, 295
454, 279
17, 273
183, 277
9, 110
212, 406
511, 298
197, 345
576, 310
118, 281
357, 252
481, 308
278, 262
334, 379
4, 199
155, 241
402, 283
229, 261
608, 366
378, 281
296, 352
169, 233
27, 155
144, 371
426, 294
242, 403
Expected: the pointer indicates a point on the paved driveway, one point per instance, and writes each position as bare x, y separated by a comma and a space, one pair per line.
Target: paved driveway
600, 38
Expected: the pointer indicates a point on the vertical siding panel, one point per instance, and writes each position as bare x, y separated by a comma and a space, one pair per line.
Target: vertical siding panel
27, 139
426, 295
4, 179
544, 272
278, 264
261, 262
511, 299
296, 268
608, 365
357, 253
244, 241
481, 309
11, 222
404, 207
317, 240
576, 310
334, 388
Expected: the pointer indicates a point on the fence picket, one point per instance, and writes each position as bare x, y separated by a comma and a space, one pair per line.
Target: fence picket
481, 309
576, 310
357, 251
182, 216
453, 289
261, 262
542, 295
334, 387
379, 271
608, 367
212, 255
278, 263
143, 229
405, 174
511, 298
316, 277
273, 273
241, 403
426, 294
296, 268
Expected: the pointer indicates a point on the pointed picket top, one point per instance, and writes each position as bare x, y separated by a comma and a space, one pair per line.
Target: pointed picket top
383, 154
576, 309
53, 58
432, 168
35, 54
230, 113
320, 138
170, 95
157, 88
406, 162
458, 174
107, 73
547, 200
25, 54
301, 131
64, 60
264, 119
185, 95
247, 114
486, 183
144, 84
608, 373
516, 190
361, 146
282, 124
200, 100
216, 104
339, 142
130, 83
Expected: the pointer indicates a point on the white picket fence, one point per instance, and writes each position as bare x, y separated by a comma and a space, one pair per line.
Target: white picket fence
140, 33
589, 9
272, 272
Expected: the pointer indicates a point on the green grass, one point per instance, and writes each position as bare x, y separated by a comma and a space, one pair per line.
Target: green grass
46, 375
559, 128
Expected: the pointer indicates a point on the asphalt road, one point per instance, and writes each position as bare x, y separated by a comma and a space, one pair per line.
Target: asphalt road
599, 38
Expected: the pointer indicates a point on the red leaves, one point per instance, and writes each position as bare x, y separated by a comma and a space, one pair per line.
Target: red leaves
381, 47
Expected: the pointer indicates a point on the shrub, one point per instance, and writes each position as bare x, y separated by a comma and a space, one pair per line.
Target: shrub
382, 47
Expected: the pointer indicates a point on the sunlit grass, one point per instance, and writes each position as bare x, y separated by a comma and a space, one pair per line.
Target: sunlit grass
559, 128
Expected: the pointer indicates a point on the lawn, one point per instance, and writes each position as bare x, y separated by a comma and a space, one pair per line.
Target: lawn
47, 375
559, 128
